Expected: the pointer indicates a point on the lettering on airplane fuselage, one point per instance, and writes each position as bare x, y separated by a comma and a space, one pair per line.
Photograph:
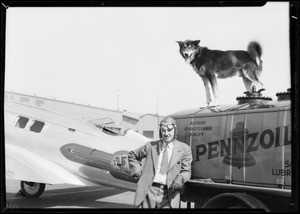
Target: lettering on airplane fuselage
116, 164
87, 156
237, 149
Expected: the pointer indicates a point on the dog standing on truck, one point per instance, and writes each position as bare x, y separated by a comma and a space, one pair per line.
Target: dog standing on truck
213, 64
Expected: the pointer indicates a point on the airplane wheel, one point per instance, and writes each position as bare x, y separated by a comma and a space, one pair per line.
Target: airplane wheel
32, 189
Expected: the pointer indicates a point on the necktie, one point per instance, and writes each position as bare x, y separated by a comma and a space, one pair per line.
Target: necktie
164, 163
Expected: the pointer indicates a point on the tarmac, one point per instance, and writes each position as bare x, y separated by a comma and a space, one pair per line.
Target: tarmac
71, 197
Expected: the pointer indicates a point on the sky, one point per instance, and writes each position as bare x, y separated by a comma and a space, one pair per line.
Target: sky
127, 58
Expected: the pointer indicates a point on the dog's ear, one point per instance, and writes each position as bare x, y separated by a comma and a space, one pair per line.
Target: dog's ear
196, 42
179, 42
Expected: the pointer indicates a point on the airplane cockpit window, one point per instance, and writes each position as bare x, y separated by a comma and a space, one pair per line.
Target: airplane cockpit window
22, 121
106, 125
107, 130
37, 126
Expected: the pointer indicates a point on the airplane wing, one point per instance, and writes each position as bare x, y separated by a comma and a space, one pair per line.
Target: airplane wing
21, 164
134, 135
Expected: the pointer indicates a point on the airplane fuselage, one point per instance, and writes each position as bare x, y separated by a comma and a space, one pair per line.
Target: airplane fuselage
47, 147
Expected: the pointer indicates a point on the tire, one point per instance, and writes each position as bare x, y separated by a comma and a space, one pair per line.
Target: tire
239, 205
32, 189
235, 201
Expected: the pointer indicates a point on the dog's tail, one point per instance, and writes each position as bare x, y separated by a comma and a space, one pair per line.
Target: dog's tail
255, 51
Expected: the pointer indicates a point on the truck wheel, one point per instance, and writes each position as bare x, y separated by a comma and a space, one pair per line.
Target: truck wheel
239, 205
235, 200
32, 189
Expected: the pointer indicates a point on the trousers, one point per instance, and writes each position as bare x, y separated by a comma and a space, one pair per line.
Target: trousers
156, 198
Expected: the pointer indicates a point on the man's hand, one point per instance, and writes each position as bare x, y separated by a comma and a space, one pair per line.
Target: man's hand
177, 183
137, 175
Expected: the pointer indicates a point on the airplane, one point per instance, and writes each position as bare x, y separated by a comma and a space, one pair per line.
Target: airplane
47, 148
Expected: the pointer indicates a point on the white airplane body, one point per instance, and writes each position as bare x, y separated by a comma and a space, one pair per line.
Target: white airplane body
43, 147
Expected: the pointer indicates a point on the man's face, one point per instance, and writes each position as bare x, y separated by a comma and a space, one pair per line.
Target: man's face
167, 132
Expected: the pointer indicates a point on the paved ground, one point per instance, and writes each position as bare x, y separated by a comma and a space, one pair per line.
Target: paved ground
68, 196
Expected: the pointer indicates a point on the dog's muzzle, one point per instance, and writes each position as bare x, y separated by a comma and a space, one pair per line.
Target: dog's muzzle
186, 56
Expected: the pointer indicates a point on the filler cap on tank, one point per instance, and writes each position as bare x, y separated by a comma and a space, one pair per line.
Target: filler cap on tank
284, 95
253, 96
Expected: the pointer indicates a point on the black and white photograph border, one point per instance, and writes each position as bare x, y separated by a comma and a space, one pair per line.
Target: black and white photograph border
82, 67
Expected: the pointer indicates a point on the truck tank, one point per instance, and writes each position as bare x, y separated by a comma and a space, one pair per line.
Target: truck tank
248, 143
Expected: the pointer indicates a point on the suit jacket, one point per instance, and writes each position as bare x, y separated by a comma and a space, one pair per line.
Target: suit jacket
180, 163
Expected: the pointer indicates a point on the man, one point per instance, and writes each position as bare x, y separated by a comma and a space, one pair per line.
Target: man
166, 168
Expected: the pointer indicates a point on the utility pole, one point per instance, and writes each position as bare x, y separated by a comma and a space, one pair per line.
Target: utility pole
157, 104
118, 101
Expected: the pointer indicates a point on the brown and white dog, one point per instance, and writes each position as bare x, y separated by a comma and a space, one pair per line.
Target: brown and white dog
213, 64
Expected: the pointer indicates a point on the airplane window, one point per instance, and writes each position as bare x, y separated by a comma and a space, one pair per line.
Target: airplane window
109, 131
37, 126
22, 121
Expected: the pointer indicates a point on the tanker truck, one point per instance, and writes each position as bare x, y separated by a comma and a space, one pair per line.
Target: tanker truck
241, 154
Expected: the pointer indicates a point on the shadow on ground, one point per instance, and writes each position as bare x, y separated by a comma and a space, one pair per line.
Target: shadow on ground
82, 197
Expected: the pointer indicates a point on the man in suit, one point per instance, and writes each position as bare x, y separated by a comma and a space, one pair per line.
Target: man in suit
166, 168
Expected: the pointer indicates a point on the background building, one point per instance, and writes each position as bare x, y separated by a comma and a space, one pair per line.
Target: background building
148, 125
120, 121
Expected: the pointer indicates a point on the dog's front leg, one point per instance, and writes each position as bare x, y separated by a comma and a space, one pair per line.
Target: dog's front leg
214, 85
208, 91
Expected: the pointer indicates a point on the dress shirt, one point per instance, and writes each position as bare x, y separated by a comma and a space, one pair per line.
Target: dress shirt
162, 179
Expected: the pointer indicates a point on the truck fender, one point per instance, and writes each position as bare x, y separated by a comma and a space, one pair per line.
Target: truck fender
227, 200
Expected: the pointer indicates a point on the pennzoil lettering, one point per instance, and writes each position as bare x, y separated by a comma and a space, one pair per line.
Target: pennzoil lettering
249, 143
252, 147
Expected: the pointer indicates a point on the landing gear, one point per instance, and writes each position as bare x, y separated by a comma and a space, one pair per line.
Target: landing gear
31, 189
